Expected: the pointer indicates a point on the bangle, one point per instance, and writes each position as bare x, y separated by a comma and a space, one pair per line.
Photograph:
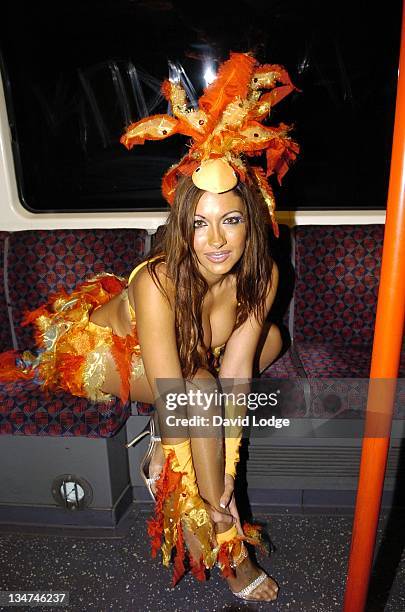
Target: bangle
241, 557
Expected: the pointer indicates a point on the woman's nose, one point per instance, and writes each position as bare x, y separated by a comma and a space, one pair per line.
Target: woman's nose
216, 238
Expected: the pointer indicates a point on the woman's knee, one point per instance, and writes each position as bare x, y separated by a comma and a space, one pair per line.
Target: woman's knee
204, 374
203, 386
202, 378
275, 337
271, 347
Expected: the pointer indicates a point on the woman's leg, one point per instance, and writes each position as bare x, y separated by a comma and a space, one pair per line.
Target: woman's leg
207, 443
208, 459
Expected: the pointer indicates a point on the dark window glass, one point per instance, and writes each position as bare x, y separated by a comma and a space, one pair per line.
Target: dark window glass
77, 72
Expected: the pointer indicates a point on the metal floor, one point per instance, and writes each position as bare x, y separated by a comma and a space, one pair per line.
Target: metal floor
114, 572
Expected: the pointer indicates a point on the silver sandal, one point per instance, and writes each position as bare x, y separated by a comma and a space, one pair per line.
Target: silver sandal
245, 592
145, 463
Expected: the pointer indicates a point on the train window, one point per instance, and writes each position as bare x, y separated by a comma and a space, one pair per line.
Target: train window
75, 73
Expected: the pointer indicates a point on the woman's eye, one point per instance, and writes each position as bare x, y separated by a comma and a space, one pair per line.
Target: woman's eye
199, 223
234, 220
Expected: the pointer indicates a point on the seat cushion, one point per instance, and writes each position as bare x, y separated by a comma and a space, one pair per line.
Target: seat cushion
25, 410
283, 367
327, 360
342, 398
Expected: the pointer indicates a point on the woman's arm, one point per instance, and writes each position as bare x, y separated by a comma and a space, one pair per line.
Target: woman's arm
241, 347
155, 326
235, 375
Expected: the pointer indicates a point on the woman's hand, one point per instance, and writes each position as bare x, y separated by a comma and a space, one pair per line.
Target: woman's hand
228, 501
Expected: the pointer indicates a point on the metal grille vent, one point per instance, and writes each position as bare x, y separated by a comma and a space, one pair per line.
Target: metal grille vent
321, 461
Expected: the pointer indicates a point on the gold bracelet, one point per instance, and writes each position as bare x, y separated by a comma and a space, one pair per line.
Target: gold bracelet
241, 557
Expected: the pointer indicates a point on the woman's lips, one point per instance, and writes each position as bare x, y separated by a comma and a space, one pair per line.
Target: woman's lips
218, 257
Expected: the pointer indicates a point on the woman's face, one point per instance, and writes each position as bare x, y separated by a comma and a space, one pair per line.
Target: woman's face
220, 228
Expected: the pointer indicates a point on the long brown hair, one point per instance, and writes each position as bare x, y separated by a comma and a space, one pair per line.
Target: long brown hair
175, 247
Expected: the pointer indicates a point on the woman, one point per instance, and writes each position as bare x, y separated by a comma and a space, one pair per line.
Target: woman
230, 226
194, 315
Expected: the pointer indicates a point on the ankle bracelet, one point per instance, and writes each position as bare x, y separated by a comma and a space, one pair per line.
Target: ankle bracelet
241, 557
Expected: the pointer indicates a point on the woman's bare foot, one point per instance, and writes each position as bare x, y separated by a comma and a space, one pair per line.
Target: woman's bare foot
248, 571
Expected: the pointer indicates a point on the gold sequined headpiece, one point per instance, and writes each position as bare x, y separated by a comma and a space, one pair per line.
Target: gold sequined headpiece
226, 129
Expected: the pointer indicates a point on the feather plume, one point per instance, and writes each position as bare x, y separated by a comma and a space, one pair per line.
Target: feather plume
232, 81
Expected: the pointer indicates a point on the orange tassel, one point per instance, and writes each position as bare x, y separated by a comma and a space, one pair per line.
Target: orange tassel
112, 285
179, 569
280, 156
275, 96
186, 166
167, 483
224, 561
31, 316
166, 89
70, 374
121, 351
254, 536
198, 569
226, 554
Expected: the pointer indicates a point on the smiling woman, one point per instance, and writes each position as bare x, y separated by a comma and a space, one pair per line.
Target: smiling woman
209, 284
204, 293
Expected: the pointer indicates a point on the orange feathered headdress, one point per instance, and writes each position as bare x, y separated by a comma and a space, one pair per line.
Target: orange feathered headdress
226, 129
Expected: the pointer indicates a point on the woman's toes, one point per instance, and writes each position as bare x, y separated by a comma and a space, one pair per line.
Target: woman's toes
274, 586
267, 590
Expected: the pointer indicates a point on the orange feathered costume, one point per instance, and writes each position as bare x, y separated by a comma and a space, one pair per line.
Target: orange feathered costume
71, 349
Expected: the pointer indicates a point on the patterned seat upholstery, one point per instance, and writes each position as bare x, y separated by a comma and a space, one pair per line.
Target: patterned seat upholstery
37, 263
337, 271
337, 275
40, 262
25, 410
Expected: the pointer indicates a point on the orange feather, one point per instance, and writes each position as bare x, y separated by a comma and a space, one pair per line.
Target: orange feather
232, 80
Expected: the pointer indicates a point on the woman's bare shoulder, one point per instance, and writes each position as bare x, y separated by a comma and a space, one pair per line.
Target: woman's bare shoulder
143, 285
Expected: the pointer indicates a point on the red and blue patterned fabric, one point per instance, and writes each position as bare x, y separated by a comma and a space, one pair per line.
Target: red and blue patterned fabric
337, 275
337, 271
